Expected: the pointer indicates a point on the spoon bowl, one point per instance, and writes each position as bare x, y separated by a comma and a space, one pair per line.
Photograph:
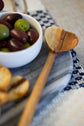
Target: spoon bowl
59, 40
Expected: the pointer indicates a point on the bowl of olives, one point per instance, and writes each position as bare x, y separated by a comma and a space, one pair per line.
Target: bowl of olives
20, 39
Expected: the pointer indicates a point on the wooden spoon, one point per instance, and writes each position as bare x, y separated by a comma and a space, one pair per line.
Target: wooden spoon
58, 41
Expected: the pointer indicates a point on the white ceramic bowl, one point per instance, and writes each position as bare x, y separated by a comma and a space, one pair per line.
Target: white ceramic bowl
23, 57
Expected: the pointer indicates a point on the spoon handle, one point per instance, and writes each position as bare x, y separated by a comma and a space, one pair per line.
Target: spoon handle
34, 98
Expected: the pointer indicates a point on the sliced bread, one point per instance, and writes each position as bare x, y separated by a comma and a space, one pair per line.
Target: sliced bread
5, 78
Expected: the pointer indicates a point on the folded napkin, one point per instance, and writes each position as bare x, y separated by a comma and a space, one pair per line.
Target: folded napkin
58, 82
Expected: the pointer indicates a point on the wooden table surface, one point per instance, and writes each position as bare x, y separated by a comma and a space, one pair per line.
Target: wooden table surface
69, 14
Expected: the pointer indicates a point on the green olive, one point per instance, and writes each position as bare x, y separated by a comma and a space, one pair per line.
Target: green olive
4, 49
27, 45
4, 32
22, 25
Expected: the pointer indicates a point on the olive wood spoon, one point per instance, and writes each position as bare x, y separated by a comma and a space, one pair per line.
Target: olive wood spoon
58, 41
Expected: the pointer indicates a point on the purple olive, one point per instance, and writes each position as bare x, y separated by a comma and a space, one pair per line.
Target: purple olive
11, 18
15, 45
32, 36
6, 23
1, 5
19, 35
3, 43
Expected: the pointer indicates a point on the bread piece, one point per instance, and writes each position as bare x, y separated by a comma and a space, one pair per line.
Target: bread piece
5, 78
19, 88
15, 80
3, 97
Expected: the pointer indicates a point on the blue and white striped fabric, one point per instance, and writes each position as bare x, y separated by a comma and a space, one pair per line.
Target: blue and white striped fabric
66, 74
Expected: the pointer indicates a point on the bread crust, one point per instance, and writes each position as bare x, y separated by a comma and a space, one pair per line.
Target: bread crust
3, 97
19, 89
5, 78
17, 86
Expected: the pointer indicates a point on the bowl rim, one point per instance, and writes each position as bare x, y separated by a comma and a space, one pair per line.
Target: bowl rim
40, 35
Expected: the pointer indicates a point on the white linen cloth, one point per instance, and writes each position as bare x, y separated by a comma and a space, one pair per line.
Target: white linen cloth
32, 5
